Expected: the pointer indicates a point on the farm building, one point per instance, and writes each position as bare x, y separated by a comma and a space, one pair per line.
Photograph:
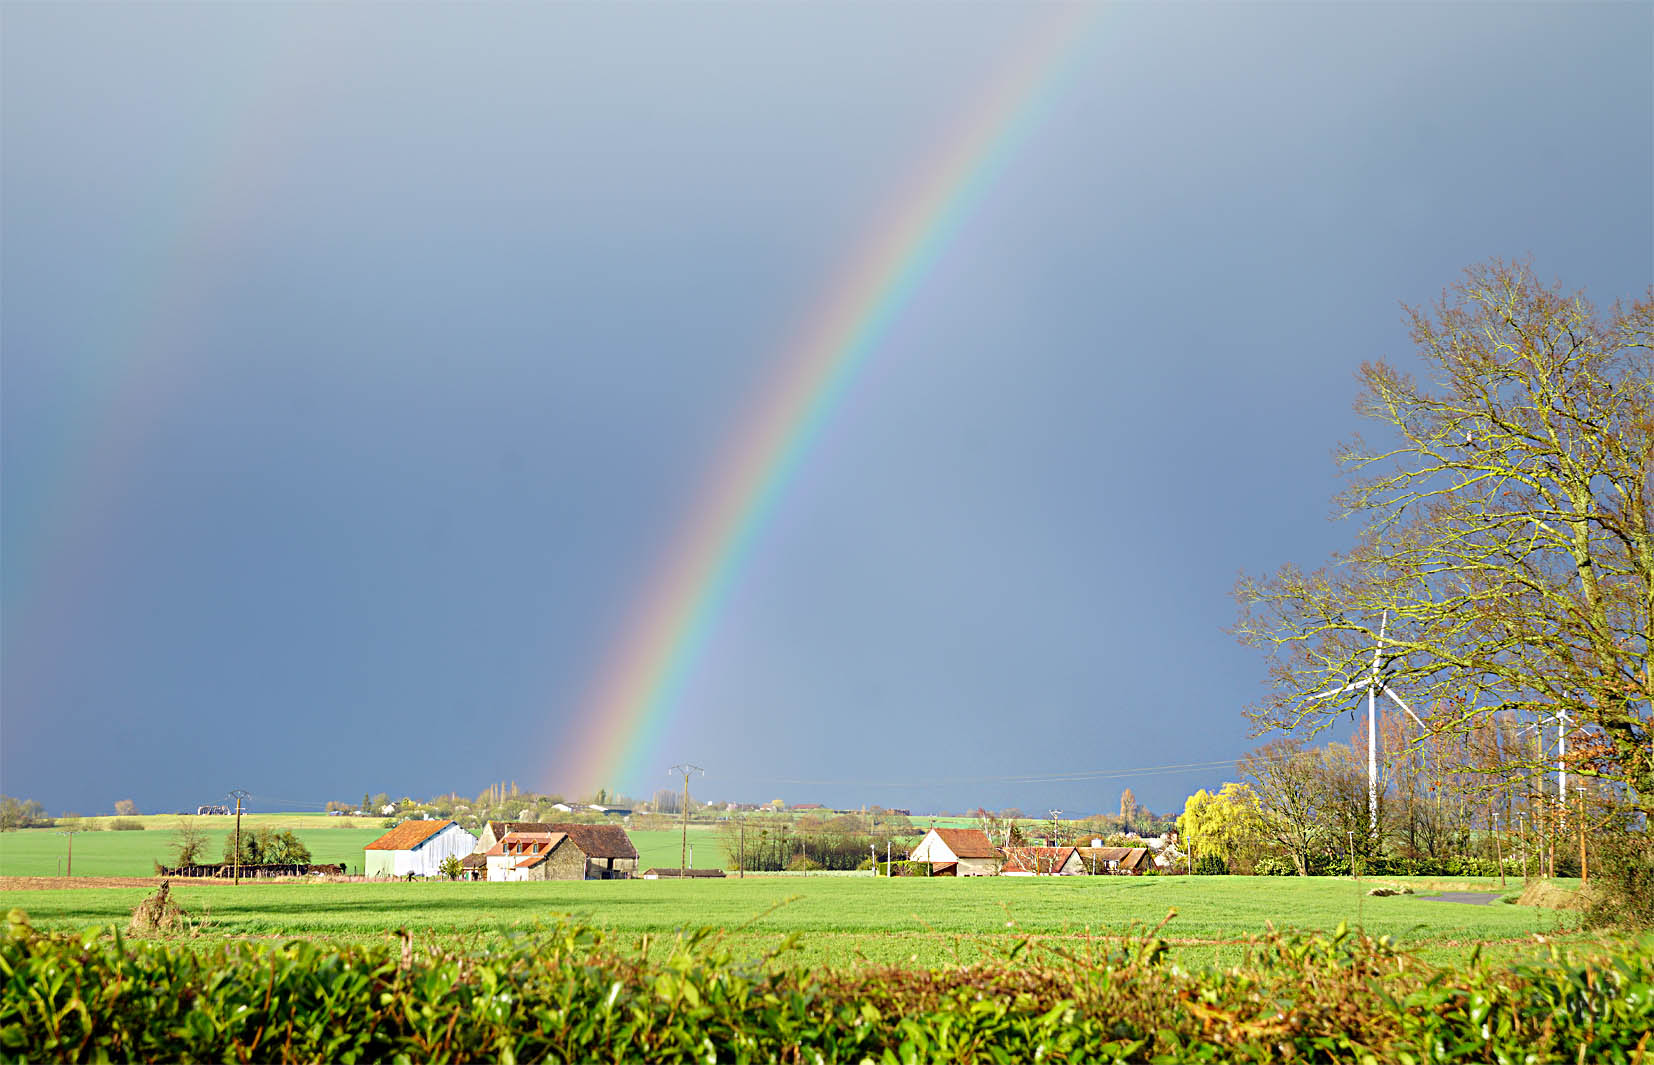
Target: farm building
957, 852
1042, 861
417, 848
1120, 861
606, 850
685, 874
535, 856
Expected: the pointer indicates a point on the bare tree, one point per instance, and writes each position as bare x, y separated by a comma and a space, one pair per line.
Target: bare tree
126, 808
188, 841
1286, 777
1505, 526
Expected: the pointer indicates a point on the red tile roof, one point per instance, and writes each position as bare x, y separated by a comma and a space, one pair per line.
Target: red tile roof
544, 842
1036, 859
407, 836
600, 841
967, 842
1128, 857
595, 841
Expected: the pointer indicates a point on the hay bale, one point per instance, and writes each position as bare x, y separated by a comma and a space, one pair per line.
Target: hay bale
157, 914
1549, 896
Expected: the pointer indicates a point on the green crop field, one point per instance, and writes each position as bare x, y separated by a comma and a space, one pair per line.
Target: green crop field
42, 852
840, 920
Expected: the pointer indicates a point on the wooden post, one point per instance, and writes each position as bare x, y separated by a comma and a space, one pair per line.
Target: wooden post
1499, 851
1584, 870
238, 795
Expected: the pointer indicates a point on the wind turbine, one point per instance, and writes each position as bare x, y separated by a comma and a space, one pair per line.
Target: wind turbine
1373, 686
1562, 716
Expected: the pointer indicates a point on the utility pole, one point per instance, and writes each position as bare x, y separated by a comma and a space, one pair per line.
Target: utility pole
683, 851
70, 832
743, 845
1056, 827
1584, 870
237, 794
1493, 816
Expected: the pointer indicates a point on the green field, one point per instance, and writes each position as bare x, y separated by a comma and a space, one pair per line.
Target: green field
840, 921
42, 852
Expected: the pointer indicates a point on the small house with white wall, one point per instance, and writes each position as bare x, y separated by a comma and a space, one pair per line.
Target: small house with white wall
957, 852
417, 848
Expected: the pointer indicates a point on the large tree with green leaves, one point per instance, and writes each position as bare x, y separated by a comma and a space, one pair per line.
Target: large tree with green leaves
1504, 529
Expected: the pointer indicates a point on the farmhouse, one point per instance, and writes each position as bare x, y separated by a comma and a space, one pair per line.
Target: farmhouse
1121, 861
535, 856
1042, 861
957, 852
606, 851
416, 848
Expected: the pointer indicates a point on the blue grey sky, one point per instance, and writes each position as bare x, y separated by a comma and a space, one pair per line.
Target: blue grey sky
360, 362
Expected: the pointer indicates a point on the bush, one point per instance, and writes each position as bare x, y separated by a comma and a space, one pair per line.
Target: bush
125, 824
1621, 890
1274, 865
571, 997
1211, 865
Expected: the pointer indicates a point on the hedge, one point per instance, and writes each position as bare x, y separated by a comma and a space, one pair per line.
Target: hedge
561, 994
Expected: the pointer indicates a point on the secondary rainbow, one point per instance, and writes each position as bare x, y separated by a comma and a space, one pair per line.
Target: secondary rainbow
640, 683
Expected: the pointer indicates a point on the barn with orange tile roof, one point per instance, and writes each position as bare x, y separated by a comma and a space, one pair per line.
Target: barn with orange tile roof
416, 848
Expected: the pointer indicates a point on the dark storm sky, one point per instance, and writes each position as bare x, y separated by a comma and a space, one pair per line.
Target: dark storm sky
360, 362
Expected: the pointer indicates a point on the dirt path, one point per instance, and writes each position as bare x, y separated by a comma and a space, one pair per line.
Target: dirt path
1469, 898
60, 883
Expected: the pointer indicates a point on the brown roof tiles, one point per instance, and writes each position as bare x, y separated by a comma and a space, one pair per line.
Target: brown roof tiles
407, 835
967, 842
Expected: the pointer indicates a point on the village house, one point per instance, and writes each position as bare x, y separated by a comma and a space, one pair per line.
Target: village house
1115, 861
1042, 861
605, 852
535, 856
416, 848
957, 852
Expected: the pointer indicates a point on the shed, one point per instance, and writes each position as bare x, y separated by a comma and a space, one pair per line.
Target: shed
417, 848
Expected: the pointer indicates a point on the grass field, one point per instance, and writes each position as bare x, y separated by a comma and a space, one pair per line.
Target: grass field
42, 852
840, 921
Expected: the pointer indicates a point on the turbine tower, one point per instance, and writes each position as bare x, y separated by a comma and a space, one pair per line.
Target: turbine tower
1373, 685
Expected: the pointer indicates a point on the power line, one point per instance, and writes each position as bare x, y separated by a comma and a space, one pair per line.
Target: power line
1052, 778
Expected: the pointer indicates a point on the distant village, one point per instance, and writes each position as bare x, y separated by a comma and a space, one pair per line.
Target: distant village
534, 850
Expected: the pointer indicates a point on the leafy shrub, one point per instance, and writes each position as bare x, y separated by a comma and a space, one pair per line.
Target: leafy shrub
562, 994
1211, 865
1621, 891
1274, 865
125, 824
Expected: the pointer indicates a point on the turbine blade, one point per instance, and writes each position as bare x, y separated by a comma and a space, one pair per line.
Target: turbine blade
1394, 698
1339, 691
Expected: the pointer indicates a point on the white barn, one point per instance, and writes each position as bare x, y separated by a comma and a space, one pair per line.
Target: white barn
416, 847
957, 852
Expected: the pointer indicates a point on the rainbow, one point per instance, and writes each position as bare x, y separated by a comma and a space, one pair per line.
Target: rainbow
640, 683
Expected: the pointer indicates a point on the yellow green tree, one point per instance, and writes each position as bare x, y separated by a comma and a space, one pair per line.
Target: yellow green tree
1227, 826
